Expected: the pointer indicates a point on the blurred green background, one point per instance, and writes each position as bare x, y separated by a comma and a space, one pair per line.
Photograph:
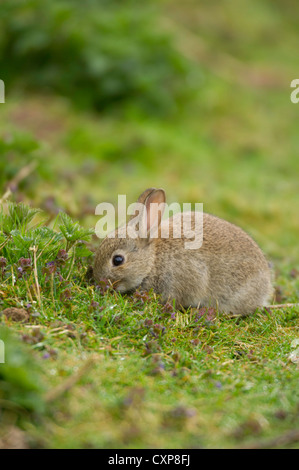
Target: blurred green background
108, 97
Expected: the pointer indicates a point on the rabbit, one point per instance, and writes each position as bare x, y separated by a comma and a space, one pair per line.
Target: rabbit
228, 271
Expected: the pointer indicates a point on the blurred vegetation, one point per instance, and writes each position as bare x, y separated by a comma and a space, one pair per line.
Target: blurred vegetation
21, 388
102, 54
110, 97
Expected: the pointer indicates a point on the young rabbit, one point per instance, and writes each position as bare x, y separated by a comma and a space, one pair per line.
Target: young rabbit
228, 271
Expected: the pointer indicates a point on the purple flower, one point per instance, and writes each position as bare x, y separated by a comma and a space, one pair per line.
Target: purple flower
94, 304
21, 272
3, 262
208, 313
66, 295
51, 267
25, 263
62, 255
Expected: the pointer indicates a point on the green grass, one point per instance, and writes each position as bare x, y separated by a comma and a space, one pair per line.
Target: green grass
223, 382
157, 377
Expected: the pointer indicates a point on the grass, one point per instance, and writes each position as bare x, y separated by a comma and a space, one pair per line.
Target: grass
123, 371
221, 382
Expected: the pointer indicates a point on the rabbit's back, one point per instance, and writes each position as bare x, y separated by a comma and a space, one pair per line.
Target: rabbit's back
228, 270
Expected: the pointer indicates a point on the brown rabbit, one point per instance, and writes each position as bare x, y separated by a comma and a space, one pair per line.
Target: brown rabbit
228, 271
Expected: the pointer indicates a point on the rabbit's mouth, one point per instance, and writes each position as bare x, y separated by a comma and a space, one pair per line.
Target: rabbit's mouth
126, 287
120, 287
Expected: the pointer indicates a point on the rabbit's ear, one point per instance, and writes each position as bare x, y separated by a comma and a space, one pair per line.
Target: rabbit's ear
140, 200
154, 207
147, 213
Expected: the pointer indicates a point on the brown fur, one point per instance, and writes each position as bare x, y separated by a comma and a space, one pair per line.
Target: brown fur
228, 272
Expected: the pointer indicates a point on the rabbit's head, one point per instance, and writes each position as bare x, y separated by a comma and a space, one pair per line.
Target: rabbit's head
126, 256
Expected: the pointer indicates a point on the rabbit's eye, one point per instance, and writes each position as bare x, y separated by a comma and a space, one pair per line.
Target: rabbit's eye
117, 260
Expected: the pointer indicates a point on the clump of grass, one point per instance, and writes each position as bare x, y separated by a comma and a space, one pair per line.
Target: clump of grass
21, 385
36, 259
